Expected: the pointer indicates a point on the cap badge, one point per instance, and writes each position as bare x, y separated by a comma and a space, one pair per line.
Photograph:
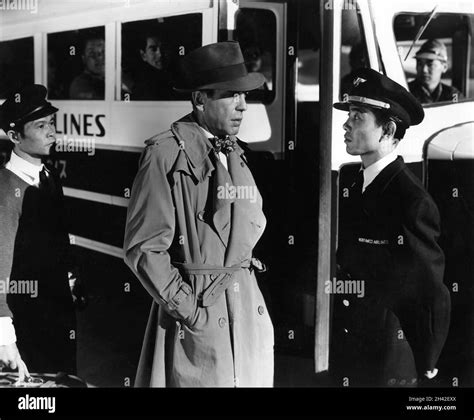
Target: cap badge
358, 81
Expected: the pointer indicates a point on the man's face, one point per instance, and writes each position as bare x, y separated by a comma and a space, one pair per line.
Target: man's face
39, 137
362, 135
152, 54
223, 112
94, 57
429, 72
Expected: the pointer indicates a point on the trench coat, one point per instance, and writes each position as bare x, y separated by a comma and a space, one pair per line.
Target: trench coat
389, 239
190, 244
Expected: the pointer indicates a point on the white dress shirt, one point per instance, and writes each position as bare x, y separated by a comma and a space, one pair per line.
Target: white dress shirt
222, 156
29, 173
371, 172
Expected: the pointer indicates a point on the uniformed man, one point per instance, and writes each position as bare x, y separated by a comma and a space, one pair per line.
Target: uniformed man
37, 314
393, 332
431, 64
194, 217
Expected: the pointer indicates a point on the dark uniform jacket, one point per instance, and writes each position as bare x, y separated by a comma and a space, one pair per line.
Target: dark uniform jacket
388, 238
34, 246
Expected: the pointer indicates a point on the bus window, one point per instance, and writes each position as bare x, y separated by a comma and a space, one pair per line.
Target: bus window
76, 64
150, 49
255, 29
16, 64
437, 68
353, 49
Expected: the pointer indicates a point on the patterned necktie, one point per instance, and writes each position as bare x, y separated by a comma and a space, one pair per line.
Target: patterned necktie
224, 145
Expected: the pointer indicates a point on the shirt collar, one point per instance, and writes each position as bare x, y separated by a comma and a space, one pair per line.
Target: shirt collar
20, 166
207, 133
371, 172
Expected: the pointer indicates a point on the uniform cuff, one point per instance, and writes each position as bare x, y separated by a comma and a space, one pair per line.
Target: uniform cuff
7, 331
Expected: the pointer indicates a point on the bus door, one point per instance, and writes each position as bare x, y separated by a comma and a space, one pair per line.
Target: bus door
348, 44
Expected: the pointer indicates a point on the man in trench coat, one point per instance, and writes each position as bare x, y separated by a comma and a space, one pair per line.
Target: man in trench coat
392, 334
195, 214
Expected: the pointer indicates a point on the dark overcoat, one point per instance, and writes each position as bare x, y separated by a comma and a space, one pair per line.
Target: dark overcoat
35, 250
388, 239
191, 248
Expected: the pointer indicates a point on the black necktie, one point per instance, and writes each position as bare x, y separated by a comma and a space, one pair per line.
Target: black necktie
359, 182
224, 145
46, 183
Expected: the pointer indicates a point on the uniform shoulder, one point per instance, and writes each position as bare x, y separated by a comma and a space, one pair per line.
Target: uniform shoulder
412, 189
10, 184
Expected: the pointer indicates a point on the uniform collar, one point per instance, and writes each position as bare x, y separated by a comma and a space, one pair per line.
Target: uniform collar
386, 175
27, 171
371, 172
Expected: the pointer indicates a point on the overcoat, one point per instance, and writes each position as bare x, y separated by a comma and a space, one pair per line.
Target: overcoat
388, 239
189, 239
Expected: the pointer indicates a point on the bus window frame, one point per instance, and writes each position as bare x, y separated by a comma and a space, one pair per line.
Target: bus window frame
275, 72
118, 53
108, 59
470, 40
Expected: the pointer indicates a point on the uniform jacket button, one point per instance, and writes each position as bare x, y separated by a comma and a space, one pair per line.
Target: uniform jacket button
261, 310
200, 216
222, 322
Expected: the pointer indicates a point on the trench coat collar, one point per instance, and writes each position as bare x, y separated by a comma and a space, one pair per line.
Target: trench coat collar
196, 146
385, 177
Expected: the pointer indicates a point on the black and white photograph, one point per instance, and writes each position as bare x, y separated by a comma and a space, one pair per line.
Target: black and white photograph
268, 199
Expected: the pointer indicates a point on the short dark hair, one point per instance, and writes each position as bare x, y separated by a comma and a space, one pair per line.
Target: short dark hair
143, 39
210, 93
19, 128
382, 118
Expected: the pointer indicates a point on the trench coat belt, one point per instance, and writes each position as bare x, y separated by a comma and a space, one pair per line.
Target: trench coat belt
223, 280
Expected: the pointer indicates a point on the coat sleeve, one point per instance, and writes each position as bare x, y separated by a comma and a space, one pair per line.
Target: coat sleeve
429, 316
149, 233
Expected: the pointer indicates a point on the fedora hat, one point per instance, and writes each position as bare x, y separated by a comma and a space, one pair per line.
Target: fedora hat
216, 66
26, 104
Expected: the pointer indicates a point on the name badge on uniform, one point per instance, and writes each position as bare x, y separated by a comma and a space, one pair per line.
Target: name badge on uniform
374, 241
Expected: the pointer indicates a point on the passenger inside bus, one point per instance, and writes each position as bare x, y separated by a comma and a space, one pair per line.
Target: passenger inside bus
152, 79
90, 83
431, 64
253, 61
357, 60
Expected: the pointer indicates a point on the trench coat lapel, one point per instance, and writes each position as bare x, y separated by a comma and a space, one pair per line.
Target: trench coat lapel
248, 220
222, 200
197, 159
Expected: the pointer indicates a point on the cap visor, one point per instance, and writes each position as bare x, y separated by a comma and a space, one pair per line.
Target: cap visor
430, 56
250, 82
44, 112
342, 106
